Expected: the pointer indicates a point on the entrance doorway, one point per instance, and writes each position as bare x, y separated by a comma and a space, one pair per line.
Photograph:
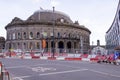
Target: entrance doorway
61, 47
69, 46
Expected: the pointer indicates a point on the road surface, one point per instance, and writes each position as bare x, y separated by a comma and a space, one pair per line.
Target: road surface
35, 69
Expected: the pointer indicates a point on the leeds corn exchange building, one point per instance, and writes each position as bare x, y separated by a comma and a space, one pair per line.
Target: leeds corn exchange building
45, 28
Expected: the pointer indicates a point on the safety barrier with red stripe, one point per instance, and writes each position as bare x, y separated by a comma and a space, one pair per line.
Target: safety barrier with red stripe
63, 56
57, 56
66, 56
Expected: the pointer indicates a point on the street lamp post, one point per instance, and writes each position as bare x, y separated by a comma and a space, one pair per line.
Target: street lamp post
81, 42
10, 47
92, 44
53, 50
92, 47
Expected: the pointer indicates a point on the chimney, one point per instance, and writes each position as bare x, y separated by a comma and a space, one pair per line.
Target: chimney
98, 42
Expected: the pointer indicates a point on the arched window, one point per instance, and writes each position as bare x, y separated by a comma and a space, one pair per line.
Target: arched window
62, 20
19, 36
58, 35
24, 35
75, 45
52, 44
74, 35
38, 35
10, 45
10, 37
69, 35
64, 35
31, 35
38, 45
24, 45
18, 44
30, 45
69, 45
13, 35
78, 36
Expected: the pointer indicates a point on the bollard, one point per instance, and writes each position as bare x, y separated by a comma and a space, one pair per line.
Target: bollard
1, 74
4, 75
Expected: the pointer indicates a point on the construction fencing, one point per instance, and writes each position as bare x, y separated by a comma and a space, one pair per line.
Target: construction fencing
43, 52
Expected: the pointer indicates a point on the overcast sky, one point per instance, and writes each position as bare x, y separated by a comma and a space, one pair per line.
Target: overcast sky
96, 15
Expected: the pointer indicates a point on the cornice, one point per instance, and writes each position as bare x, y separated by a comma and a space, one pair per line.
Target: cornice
47, 23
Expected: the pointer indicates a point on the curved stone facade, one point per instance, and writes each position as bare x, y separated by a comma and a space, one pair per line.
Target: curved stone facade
29, 34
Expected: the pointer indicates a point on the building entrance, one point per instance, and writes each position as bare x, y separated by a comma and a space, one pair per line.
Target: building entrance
61, 46
69, 46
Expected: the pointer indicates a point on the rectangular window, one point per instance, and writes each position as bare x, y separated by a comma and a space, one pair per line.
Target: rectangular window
13, 35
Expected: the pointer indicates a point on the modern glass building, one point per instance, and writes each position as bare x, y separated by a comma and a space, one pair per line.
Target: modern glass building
113, 34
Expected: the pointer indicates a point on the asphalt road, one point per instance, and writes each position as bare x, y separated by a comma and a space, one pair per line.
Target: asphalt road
33, 69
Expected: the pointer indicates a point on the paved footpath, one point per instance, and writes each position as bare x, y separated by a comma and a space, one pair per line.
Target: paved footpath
35, 69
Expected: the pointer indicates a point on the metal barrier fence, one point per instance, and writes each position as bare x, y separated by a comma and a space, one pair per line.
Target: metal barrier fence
42, 52
56, 50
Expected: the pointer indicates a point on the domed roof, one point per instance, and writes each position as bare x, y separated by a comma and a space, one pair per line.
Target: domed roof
48, 16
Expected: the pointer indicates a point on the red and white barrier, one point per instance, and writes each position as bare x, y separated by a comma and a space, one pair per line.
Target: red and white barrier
65, 56
60, 56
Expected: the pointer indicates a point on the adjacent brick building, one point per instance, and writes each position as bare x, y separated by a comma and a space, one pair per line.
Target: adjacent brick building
2, 43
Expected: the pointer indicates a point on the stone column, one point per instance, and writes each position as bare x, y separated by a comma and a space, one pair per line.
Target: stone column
65, 46
72, 45
56, 46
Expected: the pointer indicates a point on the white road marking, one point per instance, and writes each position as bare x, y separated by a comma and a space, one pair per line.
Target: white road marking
40, 65
67, 66
52, 73
15, 67
63, 72
17, 78
43, 69
25, 66
44, 64
108, 74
